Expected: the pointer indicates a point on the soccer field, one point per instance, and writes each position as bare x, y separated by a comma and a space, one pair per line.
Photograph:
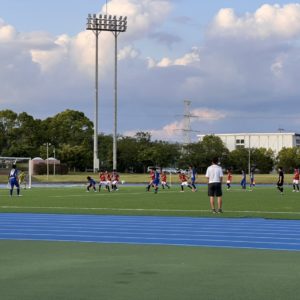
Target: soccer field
264, 202
114, 271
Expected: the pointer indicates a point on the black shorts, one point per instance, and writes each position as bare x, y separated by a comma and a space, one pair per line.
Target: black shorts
215, 189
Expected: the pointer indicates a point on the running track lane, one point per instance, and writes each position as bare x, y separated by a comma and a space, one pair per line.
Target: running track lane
181, 231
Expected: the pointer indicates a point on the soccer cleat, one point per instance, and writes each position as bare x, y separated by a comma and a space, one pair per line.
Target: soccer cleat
220, 211
213, 211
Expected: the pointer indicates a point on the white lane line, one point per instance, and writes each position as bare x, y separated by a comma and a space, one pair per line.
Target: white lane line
135, 234
261, 230
120, 238
144, 209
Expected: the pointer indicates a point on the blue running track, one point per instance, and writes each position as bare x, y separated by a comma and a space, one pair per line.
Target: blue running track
181, 231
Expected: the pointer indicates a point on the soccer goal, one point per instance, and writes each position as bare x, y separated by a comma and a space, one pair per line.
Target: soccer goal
23, 164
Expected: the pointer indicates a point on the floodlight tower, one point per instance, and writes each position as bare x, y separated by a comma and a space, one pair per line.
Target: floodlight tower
92, 24
116, 25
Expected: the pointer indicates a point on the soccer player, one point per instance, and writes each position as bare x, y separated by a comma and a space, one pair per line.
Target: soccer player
13, 180
102, 178
229, 179
243, 182
115, 180
296, 180
184, 181
108, 180
91, 183
22, 179
164, 180
152, 176
156, 180
193, 174
214, 175
280, 181
252, 181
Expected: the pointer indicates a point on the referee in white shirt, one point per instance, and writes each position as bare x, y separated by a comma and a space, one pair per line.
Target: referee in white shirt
214, 174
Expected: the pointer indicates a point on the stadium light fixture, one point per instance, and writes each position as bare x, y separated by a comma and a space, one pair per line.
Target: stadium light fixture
116, 25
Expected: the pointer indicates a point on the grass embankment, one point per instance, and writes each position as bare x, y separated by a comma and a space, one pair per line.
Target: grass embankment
143, 178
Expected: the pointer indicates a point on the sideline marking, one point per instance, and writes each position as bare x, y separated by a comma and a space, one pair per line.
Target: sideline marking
150, 209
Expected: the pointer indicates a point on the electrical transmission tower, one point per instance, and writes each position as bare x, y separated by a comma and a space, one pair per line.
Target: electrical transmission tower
186, 129
187, 122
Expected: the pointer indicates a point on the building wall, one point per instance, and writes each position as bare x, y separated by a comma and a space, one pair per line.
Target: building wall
274, 141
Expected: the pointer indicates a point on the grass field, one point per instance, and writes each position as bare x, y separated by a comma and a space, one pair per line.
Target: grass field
263, 202
59, 270
47, 270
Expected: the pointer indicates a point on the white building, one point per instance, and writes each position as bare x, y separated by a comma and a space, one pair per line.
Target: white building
274, 141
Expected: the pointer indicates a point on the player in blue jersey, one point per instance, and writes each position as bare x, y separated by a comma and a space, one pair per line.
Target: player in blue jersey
156, 180
13, 180
192, 175
91, 184
243, 181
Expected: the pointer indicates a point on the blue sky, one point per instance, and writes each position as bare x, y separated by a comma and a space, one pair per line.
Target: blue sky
237, 61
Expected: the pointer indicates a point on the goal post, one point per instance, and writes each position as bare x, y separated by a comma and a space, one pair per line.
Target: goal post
25, 162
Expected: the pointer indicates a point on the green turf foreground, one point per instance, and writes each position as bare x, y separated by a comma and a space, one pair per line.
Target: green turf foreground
263, 202
50, 270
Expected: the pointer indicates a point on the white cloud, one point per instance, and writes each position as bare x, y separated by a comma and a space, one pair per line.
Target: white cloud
128, 52
143, 15
207, 115
268, 21
243, 64
187, 59
174, 131
7, 32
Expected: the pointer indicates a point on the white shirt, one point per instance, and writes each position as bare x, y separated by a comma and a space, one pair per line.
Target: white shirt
214, 173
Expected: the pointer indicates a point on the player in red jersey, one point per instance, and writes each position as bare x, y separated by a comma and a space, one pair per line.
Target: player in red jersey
152, 178
102, 177
164, 180
229, 179
115, 180
184, 181
108, 180
296, 180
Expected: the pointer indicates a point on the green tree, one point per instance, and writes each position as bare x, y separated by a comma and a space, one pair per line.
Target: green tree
289, 158
105, 143
238, 159
71, 127
75, 156
127, 155
201, 154
8, 124
71, 132
262, 159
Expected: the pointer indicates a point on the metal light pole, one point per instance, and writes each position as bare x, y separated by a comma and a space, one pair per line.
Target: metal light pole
54, 161
47, 160
116, 26
92, 25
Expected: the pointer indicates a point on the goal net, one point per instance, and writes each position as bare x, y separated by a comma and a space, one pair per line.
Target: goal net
23, 165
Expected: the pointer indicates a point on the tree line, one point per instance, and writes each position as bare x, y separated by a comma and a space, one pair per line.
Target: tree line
70, 134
